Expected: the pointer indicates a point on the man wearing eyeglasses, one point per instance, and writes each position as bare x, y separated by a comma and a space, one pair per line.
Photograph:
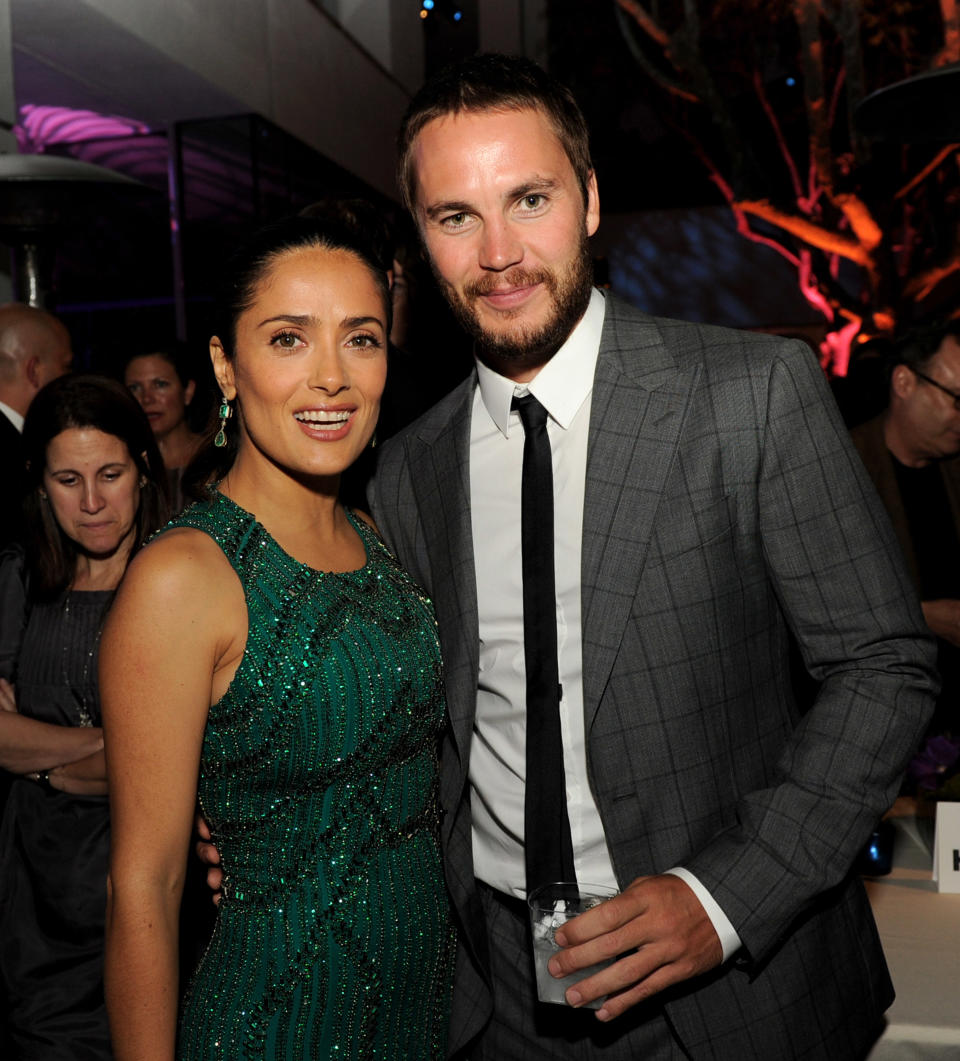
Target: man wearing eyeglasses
910, 452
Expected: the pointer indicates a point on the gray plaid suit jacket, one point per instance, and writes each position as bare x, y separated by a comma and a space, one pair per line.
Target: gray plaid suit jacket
725, 509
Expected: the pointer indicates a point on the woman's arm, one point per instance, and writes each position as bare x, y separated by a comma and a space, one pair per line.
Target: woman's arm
85, 777
178, 621
28, 745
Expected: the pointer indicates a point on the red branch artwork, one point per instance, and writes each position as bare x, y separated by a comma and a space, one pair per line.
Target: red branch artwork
874, 240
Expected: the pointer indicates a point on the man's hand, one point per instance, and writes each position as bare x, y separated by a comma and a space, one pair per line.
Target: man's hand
943, 618
662, 925
210, 857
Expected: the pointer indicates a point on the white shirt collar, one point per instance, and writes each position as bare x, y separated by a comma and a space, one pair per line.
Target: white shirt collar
13, 416
564, 382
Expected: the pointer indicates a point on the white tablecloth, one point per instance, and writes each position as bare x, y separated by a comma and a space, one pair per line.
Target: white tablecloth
920, 929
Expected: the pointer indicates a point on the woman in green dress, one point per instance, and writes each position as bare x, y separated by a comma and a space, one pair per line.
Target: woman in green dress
269, 644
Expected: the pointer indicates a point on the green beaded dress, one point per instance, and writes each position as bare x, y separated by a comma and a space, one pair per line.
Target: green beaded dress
318, 777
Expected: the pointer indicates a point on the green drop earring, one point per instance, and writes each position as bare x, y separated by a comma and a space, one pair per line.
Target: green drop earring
225, 412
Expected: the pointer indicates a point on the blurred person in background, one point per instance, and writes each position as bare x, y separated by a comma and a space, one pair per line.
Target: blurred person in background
912, 453
164, 384
34, 349
95, 490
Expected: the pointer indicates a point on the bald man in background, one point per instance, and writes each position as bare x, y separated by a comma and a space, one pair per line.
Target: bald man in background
34, 349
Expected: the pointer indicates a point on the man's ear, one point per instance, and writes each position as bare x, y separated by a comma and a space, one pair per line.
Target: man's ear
902, 381
593, 204
222, 369
32, 370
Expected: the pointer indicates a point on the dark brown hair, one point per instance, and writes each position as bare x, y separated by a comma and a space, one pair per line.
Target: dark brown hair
493, 83
71, 402
175, 353
916, 347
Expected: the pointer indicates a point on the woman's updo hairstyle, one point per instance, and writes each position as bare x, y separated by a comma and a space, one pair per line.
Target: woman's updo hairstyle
335, 230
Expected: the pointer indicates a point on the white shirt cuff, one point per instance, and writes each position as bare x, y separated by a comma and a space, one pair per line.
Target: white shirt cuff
729, 940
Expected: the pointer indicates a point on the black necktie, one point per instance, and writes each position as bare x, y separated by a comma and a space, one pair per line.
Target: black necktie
547, 844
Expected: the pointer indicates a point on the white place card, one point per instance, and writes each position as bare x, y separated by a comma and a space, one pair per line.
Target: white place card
946, 847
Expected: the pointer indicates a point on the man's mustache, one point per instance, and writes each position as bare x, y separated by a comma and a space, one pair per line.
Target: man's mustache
515, 278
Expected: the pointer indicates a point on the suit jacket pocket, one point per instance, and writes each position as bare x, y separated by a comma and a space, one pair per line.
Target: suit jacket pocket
690, 604
686, 523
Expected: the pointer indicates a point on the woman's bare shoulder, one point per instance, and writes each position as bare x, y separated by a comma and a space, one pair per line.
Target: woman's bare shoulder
182, 564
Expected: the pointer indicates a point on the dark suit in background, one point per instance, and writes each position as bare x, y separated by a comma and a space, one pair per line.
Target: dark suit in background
869, 442
724, 509
34, 349
11, 489
927, 524
11, 480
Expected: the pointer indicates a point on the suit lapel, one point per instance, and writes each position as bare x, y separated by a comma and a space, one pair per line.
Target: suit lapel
639, 403
640, 399
440, 473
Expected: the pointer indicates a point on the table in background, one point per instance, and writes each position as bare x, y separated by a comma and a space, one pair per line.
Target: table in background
920, 929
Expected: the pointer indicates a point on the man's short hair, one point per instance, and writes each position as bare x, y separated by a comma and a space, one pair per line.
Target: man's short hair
493, 83
915, 348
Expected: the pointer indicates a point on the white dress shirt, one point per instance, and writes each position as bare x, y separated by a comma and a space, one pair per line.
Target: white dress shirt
498, 750
13, 416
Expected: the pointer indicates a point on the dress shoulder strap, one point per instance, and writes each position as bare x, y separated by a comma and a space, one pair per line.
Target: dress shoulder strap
229, 525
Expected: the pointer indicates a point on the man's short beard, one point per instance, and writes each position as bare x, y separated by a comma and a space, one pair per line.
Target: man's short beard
569, 295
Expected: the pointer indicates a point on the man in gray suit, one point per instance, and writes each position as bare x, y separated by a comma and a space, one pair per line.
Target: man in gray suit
707, 505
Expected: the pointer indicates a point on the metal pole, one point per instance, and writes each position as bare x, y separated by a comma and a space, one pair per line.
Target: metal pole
175, 206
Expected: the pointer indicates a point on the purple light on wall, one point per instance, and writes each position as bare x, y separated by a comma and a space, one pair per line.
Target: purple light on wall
122, 144
41, 126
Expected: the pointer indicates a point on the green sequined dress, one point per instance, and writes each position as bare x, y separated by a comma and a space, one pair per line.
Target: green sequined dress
318, 777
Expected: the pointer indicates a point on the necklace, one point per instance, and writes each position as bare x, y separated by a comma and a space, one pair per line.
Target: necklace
79, 690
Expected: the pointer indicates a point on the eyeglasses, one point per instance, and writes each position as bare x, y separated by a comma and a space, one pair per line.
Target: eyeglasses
946, 390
